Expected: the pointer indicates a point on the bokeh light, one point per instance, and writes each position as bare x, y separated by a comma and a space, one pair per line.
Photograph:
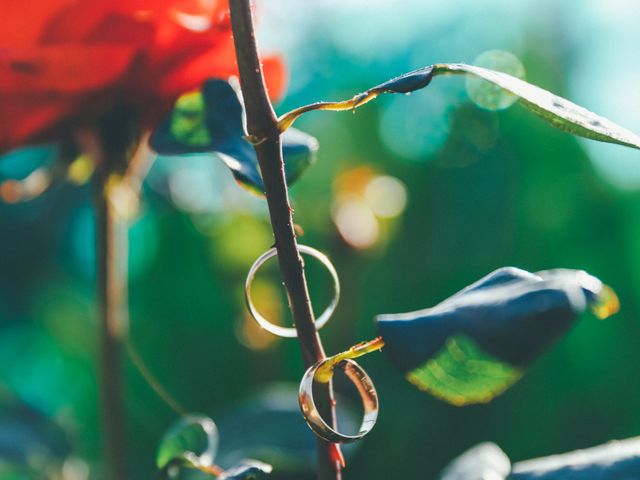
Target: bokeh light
386, 195
267, 299
363, 202
487, 95
356, 223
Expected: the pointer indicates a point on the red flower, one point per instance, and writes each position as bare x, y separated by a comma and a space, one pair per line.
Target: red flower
64, 61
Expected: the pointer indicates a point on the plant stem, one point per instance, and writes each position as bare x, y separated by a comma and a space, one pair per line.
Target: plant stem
111, 280
262, 126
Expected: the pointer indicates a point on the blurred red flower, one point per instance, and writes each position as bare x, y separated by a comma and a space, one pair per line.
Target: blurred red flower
63, 62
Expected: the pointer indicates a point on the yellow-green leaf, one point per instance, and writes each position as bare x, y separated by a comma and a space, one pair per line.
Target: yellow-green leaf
462, 373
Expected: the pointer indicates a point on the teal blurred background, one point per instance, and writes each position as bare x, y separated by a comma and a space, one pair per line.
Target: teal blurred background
412, 198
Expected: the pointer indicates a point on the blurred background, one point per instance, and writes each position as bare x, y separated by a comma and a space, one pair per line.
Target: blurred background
411, 197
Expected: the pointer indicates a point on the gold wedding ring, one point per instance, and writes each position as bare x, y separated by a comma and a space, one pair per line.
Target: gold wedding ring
363, 384
287, 331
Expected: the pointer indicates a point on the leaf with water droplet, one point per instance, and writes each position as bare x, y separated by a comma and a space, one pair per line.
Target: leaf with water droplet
477, 343
559, 112
211, 121
407, 83
192, 441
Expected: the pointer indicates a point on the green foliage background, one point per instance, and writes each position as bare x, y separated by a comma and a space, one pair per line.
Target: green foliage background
498, 189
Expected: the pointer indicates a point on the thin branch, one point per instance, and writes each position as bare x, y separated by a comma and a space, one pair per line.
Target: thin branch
286, 120
152, 380
405, 83
262, 124
112, 249
140, 163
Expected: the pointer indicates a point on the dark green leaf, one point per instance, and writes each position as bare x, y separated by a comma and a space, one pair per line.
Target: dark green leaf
211, 121
192, 441
299, 151
474, 345
618, 460
26, 434
247, 470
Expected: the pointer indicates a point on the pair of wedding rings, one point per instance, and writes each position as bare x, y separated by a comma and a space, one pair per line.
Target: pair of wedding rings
354, 372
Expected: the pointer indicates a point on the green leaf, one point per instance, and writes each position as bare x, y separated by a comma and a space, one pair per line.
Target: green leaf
211, 121
247, 470
559, 112
188, 122
474, 345
192, 441
462, 373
